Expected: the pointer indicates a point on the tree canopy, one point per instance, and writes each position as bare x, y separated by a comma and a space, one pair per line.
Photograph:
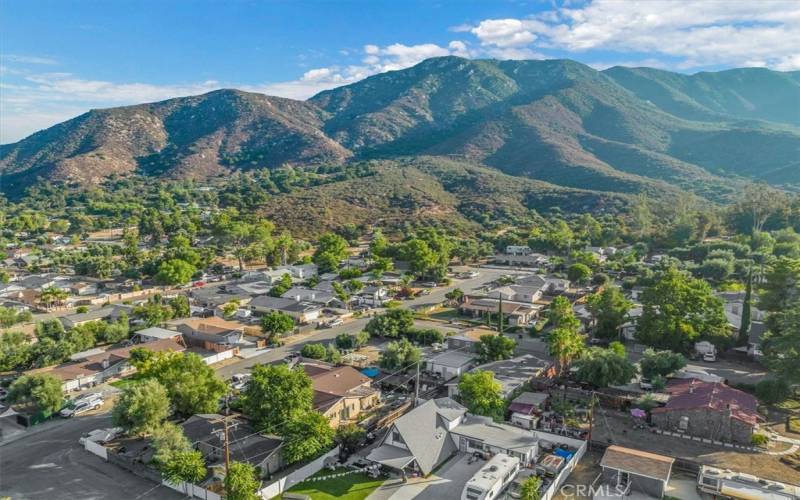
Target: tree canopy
41, 390
495, 348
610, 310
481, 394
604, 367
142, 407
679, 310
276, 394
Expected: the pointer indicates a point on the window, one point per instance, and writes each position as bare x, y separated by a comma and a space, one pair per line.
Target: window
396, 437
473, 493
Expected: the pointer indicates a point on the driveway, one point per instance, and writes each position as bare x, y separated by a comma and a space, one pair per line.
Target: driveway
48, 463
447, 482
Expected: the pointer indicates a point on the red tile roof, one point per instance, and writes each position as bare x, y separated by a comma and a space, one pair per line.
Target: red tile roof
692, 394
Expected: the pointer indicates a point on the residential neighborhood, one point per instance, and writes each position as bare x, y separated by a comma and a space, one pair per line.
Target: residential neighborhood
421, 390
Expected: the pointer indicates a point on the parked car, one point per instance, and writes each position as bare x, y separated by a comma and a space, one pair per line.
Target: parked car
239, 381
86, 397
335, 322
710, 357
429, 284
3, 393
646, 384
81, 408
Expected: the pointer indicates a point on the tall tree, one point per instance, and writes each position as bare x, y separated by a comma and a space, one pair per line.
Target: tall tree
277, 383
307, 435
610, 309
42, 390
192, 385
400, 354
604, 367
679, 310
781, 345
744, 328
186, 466
276, 324
565, 343
495, 347
142, 407
482, 394
781, 285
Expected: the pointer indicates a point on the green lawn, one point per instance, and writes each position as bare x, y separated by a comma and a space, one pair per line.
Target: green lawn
353, 486
124, 383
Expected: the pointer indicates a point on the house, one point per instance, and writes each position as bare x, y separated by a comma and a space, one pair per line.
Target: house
212, 297
341, 393
300, 271
517, 293
303, 294
206, 433
627, 330
425, 437
106, 313
251, 288
373, 295
626, 471
155, 333
521, 260
83, 288
468, 341
526, 408
451, 364
512, 374
518, 250
100, 367
302, 312
514, 313
213, 333
710, 410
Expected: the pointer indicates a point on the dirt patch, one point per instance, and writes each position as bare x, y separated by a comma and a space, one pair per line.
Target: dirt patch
617, 428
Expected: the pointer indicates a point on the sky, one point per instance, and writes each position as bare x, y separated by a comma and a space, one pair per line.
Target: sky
61, 58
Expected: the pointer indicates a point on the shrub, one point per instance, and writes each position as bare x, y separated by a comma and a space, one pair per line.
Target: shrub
760, 440
772, 391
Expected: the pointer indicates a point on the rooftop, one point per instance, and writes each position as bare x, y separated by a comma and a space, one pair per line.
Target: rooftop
638, 462
690, 394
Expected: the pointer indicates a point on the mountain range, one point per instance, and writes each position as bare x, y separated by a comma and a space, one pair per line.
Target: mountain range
562, 125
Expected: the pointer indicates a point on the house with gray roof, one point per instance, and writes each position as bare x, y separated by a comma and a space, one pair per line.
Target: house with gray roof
424, 438
302, 312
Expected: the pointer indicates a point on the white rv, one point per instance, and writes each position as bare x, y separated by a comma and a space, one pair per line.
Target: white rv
492, 479
729, 484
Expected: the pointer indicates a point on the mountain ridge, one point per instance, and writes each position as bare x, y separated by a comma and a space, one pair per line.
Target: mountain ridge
620, 130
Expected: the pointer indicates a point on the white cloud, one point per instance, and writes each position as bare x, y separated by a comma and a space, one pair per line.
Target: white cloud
16, 58
695, 33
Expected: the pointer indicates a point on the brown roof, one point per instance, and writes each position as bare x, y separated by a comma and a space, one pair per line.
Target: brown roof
213, 324
692, 394
339, 381
93, 364
638, 462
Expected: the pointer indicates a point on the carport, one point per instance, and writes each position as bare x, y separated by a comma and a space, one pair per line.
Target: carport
393, 457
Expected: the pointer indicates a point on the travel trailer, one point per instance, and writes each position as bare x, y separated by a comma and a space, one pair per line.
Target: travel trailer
492, 479
729, 484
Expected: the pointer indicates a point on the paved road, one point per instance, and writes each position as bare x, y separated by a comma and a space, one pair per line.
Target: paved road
49, 464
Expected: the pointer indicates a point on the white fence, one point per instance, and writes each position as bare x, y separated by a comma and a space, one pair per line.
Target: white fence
192, 490
96, 448
220, 356
567, 470
284, 483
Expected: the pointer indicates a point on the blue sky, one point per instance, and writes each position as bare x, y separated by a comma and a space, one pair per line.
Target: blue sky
61, 58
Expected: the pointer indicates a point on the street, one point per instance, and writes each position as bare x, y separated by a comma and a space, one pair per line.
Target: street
49, 463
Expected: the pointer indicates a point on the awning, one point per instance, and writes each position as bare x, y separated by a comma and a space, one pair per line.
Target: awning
391, 456
748, 493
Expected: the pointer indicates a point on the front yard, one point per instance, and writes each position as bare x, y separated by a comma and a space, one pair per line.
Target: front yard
349, 486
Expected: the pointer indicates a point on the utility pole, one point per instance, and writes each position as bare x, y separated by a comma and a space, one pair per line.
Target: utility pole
500, 314
227, 448
416, 387
591, 418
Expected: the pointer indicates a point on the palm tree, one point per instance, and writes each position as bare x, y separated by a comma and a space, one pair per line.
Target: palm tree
565, 345
52, 295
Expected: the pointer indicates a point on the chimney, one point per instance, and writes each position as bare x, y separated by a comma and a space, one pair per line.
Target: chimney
104, 363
